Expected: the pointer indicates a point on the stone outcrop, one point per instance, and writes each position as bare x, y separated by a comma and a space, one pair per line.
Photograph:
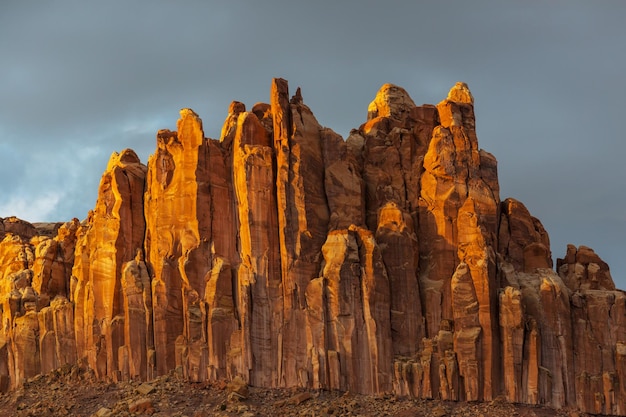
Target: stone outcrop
109, 241
38, 318
282, 255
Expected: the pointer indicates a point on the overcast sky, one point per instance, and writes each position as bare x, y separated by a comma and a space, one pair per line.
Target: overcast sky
80, 80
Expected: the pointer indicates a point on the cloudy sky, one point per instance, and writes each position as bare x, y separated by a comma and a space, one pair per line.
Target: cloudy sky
80, 80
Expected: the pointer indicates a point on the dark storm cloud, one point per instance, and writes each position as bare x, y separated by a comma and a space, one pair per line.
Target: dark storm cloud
79, 80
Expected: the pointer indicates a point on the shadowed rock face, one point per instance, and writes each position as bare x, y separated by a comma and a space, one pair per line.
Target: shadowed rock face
286, 256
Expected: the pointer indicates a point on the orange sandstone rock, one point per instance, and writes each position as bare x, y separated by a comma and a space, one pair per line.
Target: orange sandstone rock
280, 255
113, 236
38, 333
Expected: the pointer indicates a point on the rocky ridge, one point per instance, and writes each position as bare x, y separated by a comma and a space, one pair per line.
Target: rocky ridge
284, 256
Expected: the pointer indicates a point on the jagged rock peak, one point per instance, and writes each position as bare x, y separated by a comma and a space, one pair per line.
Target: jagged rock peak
390, 101
13, 225
297, 98
188, 112
582, 268
127, 156
461, 93
236, 107
189, 129
230, 124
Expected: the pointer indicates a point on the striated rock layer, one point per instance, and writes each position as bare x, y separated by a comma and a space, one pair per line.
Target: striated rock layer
286, 256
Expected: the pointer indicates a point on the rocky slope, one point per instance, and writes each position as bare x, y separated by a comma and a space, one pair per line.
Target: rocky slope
286, 256
71, 391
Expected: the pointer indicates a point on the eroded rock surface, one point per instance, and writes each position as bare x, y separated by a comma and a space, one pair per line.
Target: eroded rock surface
282, 255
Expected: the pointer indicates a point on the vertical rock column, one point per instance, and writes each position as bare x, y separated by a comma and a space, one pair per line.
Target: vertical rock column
52, 271
19, 344
468, 334
302, 218
137, 355
396, 237
512, 321
351, 301
382, 162
178, 221
56, 335
458, 220
598, 332
525, 266
113, 236
258, 278
392, 162
476, 241
225, 358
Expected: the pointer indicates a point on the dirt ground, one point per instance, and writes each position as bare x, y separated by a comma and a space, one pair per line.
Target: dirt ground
71, 392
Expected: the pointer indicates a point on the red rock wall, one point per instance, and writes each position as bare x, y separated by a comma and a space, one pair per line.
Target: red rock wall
38, 319
289, 257
112, 236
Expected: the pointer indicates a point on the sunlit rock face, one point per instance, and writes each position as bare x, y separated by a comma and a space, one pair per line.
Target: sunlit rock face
110, 239
286, 256
38, 319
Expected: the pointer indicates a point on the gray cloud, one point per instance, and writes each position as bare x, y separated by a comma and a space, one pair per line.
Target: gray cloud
80, 80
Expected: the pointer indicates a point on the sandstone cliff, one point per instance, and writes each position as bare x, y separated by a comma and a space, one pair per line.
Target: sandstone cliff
287, 256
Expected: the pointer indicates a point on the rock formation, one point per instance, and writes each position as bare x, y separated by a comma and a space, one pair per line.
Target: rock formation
282, 255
